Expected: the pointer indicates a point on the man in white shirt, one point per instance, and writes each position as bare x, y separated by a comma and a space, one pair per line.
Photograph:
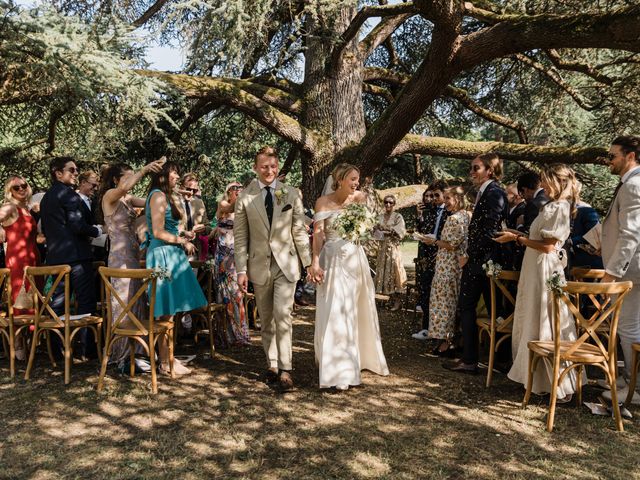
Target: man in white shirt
621, 244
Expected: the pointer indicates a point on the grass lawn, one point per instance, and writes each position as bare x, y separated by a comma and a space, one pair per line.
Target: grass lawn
223, 422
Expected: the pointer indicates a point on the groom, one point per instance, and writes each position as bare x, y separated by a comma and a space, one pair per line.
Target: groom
270, 242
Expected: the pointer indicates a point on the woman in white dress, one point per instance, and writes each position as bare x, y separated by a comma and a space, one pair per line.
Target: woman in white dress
533, 316
347, 334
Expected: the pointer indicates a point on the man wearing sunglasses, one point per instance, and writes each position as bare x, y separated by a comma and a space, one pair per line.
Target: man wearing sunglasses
69, 232
621, 245
194, 221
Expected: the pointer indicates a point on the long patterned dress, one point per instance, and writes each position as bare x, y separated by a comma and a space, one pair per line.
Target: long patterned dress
446, 280
22, 252
390, 273
124, 253
234, 331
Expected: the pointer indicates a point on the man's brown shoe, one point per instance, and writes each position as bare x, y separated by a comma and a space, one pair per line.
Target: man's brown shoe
286, 382
271, 376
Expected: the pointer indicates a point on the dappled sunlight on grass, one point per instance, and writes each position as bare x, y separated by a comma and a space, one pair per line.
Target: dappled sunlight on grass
224, 422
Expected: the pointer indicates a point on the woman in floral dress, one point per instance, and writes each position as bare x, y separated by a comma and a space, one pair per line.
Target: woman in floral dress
234, 330
446, 281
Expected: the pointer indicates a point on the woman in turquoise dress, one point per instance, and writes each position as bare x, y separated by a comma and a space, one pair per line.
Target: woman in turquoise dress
166, 250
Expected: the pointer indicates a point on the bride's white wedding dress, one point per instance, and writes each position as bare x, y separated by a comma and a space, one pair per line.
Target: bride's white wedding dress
347, 334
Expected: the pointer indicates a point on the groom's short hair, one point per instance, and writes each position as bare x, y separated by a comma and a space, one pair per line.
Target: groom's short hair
267, 151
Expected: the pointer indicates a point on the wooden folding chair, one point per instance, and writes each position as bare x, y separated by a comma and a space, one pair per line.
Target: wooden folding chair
596, 305
47, 321
10, 326
212, 310
490, 325
635, 365
145, 331
587, 349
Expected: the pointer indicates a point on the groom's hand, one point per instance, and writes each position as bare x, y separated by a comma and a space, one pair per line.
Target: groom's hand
243, 282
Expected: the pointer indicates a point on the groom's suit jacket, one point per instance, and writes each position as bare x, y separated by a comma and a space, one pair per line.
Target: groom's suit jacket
621, 231
255, 242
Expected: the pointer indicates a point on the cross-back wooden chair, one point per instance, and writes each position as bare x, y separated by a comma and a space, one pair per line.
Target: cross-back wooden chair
490, 325
635, 365
101, 306
587, 349
250, 305
595, 304
47, 321
145, 331
10, 325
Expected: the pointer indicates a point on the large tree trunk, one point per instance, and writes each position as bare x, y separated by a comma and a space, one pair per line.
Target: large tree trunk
333, 99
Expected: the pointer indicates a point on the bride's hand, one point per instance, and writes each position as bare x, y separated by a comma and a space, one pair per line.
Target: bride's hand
505, 237
315, 274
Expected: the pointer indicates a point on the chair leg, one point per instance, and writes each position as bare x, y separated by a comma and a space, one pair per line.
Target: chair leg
32, 353
152, 361
492, 353
211, 334
99, 342
49, 349
103, 367
11, 351
170, 334
132, 357
554, 395
67, 358
579, 386
635, 364
614, 397
527, 393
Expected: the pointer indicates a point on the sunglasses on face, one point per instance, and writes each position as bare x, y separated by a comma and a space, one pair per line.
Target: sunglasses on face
611, 156
192, 190
235, 188
21, 186
387, 202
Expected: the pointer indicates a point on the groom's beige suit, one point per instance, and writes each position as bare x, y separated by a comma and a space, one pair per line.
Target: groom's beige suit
621, 256
271, 255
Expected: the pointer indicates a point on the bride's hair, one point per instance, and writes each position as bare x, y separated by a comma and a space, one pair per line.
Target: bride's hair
561, 184
340, 172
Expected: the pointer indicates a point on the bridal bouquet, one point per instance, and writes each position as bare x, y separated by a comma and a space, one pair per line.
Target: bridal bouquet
492, 269
355, 222
555, 283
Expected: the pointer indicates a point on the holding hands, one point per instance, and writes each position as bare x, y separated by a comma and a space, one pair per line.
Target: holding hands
315, 274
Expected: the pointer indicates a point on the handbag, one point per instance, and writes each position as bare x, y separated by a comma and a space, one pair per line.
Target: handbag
23, 301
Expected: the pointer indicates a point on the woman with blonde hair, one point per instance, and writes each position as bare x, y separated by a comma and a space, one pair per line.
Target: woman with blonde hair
235, 331
347, 334
445, 287
533, 316
21, 232
391, 276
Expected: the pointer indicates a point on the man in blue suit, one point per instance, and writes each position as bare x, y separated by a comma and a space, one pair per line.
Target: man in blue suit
67, 226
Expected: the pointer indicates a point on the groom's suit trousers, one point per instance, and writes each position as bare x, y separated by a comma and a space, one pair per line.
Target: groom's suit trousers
275, 303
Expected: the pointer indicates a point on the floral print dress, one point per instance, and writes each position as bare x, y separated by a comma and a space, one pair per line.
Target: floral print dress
446, 280
391, 276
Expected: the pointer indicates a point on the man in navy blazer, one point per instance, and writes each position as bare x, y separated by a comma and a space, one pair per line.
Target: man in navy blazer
67, 226
490, 211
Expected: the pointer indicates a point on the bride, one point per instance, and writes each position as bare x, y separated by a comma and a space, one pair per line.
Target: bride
347, 335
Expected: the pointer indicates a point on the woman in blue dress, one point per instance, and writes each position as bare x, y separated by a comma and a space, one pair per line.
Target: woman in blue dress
180, 292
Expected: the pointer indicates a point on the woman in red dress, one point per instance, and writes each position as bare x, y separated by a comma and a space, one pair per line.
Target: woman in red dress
20, 234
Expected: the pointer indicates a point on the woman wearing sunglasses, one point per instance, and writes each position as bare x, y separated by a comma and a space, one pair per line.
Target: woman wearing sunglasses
21, 233
390, 273
235, 332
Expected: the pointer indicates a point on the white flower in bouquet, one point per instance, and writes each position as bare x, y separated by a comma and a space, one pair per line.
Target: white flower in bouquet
355, 222
492, 269
161, 273
555, 283
210, 265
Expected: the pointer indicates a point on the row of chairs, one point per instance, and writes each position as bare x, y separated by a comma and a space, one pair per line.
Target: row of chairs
144, 331
597, 332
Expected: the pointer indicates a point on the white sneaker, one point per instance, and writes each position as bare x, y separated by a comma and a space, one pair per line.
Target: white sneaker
421, 335
342, 387
418, 309
622, 395
187, 322
603, 383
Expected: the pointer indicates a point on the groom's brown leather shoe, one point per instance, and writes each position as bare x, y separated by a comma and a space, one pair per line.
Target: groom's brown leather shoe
271, 376
286, 382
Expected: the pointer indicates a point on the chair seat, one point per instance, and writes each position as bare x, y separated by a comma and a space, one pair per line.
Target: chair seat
636, 347
18, 320
586, 353
158, 327
48, 322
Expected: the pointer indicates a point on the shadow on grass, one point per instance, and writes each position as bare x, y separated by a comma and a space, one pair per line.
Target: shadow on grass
222, 422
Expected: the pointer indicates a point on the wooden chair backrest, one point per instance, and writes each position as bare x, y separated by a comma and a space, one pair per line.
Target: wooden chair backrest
148, 278
41, 302
582, 274
205, 276
502, 281
570, 296
5, 290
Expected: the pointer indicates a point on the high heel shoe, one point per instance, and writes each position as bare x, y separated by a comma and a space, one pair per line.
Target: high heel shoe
444, 353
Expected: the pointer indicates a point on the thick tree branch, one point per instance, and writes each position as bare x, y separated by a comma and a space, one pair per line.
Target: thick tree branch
617, 29
290, 160
378, 91
380, 34
362, 16
150, 12
556, 78
575, 66
447, 147
232, 92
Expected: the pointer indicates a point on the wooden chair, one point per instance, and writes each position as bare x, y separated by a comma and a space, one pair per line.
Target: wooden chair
145, 331
489, 325
212, 309
10, 325
596, 304
580, 352
635, 365
250, 305
47, 321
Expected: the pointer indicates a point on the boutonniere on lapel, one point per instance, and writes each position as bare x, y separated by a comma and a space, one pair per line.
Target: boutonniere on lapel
280, 193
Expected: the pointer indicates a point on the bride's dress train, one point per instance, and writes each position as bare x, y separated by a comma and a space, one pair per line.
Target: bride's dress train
347, 334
